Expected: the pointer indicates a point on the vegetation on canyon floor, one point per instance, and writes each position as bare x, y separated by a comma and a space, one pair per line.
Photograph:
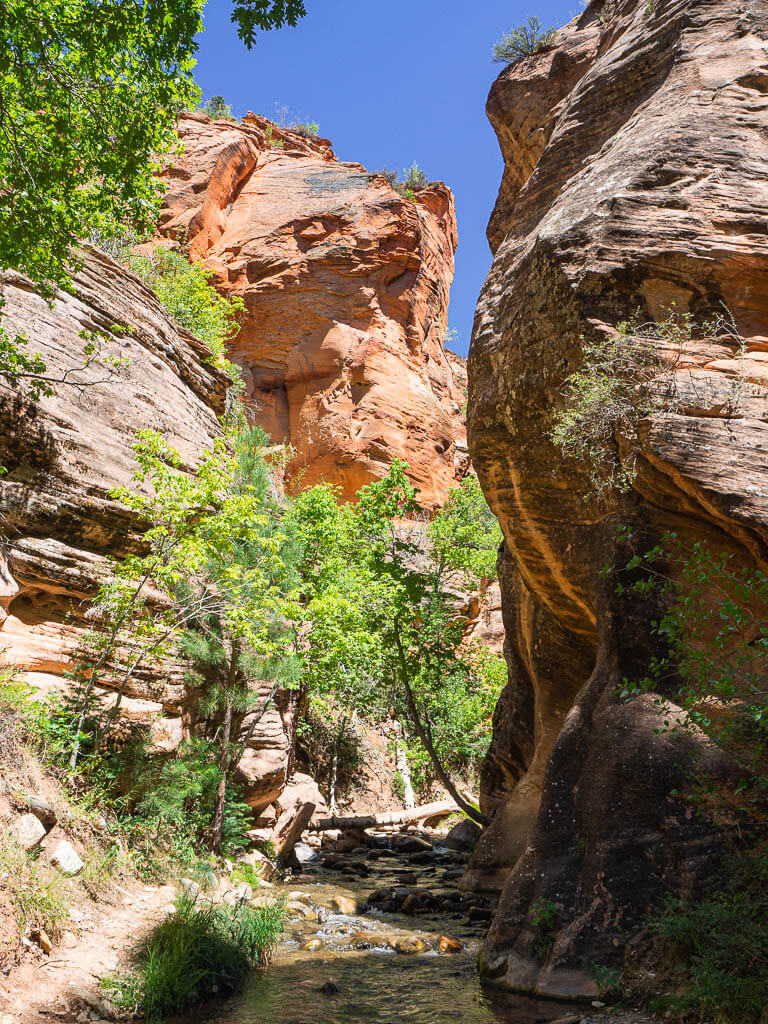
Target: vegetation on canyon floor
202, 950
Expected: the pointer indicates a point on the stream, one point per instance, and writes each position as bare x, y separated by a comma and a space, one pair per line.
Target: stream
363, 940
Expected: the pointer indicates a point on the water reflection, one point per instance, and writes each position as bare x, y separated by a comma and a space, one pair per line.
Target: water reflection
378, 988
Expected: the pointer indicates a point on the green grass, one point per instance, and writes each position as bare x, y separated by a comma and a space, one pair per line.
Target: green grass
36, 891
201, 951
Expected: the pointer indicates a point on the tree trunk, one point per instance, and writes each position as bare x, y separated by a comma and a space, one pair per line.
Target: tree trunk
402, 766
426, 739
217, 824
335, 763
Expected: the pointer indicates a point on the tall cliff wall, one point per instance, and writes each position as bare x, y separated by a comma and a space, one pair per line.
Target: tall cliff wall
636, 151
345, 284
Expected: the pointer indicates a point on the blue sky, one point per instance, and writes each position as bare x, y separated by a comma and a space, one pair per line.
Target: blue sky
389, 84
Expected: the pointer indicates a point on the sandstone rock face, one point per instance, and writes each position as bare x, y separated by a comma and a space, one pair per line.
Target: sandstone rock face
635, 156
345, 285
63, 454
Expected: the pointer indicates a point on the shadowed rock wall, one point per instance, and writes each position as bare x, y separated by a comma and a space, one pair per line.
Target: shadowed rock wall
636, 152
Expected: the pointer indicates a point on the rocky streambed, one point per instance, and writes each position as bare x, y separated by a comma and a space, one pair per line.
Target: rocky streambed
380, 933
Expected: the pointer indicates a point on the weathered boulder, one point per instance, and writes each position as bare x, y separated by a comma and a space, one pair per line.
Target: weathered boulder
345, 284
29, 831
463, 836
634, 156
66, 858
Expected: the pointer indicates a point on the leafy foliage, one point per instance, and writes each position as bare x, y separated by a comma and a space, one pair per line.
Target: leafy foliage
185, 289
200, 951
384, 631
523, 41
250, 15
90, 90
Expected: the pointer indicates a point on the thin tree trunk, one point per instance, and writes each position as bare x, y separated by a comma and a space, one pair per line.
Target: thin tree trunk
217, 825
425, 737
335, 763
438, 809
402, 766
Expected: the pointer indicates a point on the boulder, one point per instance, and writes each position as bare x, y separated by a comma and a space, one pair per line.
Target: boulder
29, 831
463, 836
42, 810
66, 858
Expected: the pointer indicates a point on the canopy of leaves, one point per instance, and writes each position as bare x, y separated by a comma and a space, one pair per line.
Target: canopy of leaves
89, 91
250, 15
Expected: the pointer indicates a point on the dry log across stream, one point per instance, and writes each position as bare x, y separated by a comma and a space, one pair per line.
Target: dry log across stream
438, 809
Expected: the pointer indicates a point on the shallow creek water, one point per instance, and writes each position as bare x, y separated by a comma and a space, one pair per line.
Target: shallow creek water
352, 974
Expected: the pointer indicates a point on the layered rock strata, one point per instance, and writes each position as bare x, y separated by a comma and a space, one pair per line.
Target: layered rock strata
635, 152
345, 284
63, 454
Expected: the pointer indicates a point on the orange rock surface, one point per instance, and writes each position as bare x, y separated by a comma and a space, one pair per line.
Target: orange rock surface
345, 284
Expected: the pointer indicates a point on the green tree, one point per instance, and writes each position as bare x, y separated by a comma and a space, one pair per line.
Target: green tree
384, 626
217, 108
88, 98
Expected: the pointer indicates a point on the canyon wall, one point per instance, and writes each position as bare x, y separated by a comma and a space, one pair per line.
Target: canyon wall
635, 152
64, 453
345, 284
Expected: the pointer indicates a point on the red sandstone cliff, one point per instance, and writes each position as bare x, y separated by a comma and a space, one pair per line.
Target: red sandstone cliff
345, 284
635, 157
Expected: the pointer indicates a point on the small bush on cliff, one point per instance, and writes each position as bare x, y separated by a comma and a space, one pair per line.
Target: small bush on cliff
203, 950
185, 289
626, 376
414, 180
309, 129
523, 41
218, 109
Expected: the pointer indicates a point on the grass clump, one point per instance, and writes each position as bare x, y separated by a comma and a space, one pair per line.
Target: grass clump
413, 180
201, 951
36, 891
523, 41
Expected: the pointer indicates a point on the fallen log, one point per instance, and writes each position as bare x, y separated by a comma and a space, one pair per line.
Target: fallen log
438, 809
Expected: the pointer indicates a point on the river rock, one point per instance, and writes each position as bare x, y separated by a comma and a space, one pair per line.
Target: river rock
409, 944
463, 836
304, 853
344, 905
403, 843
447, 944
66, 859
301, 910
29, 831
311, 945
